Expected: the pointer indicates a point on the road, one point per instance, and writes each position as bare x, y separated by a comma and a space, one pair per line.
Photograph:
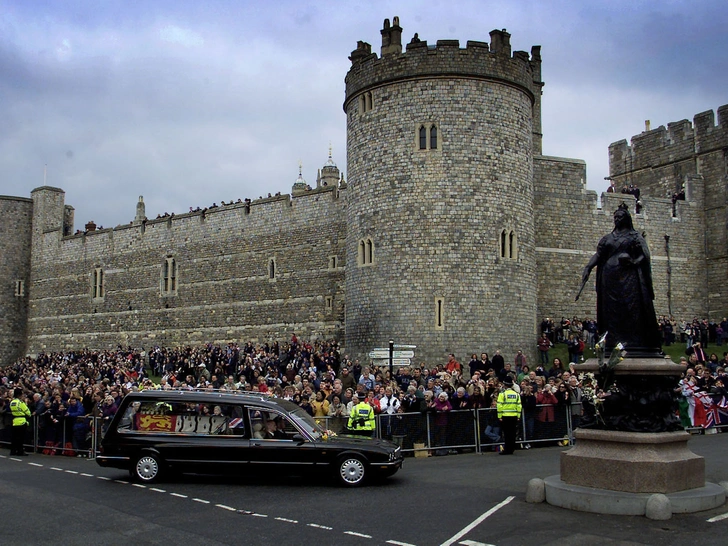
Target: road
469, 499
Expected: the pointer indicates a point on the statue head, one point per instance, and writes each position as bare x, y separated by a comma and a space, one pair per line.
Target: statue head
622, 217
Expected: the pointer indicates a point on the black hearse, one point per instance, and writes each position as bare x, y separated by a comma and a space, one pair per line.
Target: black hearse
221, 433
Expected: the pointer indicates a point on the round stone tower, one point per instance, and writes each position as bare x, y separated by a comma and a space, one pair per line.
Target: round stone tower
440, 249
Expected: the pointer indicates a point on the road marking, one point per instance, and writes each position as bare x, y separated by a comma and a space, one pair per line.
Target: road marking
397, 543
203, 501
157, 490
3, 456
259, 515
139, 485
477, 522
104, 478
226, 507
320, 526
71, 471
718, 518
35, 464
179, 495
122, 481
14, 459
56, 468
287, 520
473, 543
355, 534
87, 475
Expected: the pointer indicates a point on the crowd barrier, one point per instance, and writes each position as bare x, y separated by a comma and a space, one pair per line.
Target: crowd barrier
419, 434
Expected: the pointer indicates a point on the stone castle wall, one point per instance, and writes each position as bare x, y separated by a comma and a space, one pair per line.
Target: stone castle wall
224, 287
436, 215
569, 224
691, 156
15, 241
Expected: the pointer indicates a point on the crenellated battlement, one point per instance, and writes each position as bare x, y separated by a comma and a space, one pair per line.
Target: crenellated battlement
446, 58
680, 141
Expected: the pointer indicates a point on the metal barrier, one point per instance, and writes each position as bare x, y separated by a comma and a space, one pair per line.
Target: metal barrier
429, 433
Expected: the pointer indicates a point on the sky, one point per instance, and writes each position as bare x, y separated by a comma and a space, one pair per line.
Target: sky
189, 103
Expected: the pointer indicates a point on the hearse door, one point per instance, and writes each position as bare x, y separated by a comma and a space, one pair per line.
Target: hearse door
275, 441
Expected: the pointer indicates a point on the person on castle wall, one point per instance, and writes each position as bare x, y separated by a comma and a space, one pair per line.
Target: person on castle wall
625, 309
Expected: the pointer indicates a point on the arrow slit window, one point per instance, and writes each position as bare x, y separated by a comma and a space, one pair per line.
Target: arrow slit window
439, 313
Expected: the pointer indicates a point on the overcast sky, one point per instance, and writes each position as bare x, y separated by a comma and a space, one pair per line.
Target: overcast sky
189, 103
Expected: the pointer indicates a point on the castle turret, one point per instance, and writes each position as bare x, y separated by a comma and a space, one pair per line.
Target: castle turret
440, 238
330, 173
300, 184
141, 214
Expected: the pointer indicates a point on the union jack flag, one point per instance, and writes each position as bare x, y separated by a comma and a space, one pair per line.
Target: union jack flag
236, 423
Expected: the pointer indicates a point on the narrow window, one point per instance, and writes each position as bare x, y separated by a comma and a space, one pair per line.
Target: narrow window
503, 244
19, 288
423, 138
439, 314
433, 137
511, 245
329, 304
169, 276
333, 262
272, 269
97, 288
368, 101
362, 253
370, 252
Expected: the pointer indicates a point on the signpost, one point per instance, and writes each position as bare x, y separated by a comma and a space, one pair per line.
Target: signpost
400, 357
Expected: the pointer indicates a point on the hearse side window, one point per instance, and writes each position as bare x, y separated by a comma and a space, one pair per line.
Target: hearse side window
183, 418
270, 425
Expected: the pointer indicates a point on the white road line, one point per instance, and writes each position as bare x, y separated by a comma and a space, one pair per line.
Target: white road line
477, 522
157, 490
226, 507
104, 478
14, 459
473, 543
35, 464
139, 485
287, 520
203, 501
324, 527
717, 518
56, 468
71, 471
355, 534
179, 495
122, 481
259, 515
3, 456
87, 475
397, 543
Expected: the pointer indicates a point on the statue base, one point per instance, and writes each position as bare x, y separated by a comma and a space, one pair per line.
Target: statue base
634, 462
641, 395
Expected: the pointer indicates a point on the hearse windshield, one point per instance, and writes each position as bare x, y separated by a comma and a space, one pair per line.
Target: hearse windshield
307, 423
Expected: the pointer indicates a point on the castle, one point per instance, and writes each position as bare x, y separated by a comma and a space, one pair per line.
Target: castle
452, 233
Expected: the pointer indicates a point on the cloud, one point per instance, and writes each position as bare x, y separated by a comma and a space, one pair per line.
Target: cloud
178, 35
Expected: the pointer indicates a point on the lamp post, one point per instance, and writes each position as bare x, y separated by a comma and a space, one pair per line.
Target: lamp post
391, 359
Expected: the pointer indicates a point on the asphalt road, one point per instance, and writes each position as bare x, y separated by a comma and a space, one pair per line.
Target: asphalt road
468, 499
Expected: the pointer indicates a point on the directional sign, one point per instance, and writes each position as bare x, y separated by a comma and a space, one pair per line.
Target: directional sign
403, 354
405, 346
378, 354
395, 361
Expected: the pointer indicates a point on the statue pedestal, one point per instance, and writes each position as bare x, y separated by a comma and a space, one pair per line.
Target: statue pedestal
633, 462
634, 473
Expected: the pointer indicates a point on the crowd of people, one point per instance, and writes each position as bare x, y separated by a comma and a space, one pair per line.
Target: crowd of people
70, 393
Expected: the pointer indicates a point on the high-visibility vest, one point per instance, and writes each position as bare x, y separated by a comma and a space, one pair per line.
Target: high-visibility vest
20, 412
509, 404
362, 411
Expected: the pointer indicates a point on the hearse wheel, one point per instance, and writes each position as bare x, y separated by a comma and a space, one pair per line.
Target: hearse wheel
147, 468
351, 471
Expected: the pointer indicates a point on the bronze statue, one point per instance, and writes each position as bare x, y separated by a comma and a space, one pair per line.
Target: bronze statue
625, 308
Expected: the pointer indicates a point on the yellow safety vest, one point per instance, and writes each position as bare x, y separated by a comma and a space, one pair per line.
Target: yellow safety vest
362, 411
509, 404
20, 412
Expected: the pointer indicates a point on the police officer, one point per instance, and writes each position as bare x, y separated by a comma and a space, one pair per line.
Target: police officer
509, 412
361, 420
20, 413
